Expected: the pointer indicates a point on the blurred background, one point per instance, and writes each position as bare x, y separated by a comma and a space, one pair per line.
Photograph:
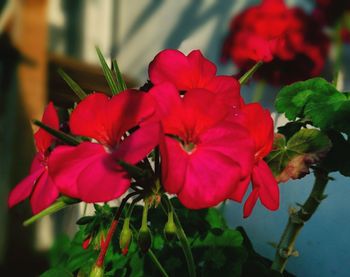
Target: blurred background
39, 36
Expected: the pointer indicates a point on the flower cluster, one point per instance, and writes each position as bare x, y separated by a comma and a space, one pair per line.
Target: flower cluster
289, 41
211, 143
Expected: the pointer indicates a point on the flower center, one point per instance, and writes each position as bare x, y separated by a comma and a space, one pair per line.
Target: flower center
188, 147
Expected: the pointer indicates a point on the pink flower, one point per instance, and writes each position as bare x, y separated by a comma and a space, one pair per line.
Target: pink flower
38, 185
91, 171
204, 155
191, 72
260, 125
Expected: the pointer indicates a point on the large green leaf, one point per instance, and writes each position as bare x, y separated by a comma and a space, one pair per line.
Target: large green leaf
330, 111
292, 99
292, 158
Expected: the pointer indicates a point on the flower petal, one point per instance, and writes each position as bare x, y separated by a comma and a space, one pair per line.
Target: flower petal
174, 165
102, 180
44, 193
42, 138
24, 188
263, 179
67, 162
250, 203
210, 178
139, 144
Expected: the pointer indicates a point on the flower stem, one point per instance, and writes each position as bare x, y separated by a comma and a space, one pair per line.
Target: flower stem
157, 263
183, 240
249, 73
55, 207
297, 219
112, 228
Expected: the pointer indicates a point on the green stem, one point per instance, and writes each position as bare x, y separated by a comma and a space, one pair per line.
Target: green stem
183, 240
157, 263
258, 91
55, 207
152, 256
250, 73
297, 219
337, 57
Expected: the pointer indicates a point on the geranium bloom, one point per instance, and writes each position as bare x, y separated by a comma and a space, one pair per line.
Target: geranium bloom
260, 125
38, 185
290, 42
91, 171
191, 72
204, 155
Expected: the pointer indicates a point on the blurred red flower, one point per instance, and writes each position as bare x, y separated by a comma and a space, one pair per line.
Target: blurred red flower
289, 41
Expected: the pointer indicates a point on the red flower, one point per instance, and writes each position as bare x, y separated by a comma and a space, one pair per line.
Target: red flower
39, 185
290, 42
204, 155
91, 171
260, 125
191, 72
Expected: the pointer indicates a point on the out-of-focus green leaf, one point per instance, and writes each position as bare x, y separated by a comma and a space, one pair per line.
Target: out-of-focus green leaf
57, 272
72, 84
108, 73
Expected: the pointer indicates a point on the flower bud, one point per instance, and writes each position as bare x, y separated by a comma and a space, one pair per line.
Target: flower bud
170, 230
125, 237
144, 239
96, 271
86, 242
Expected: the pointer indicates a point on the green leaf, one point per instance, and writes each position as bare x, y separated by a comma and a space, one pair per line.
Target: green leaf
330, 111
220, 238
291, 100
108, 73
57, 272
85, 220
72, 84
120, 81
292, 158
338, 157
58, 134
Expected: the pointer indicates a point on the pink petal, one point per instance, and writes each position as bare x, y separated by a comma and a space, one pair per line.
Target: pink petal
171, 66
102, 180
240, 190
42, 138
87, 119
24, 188
67, 162
139, 144
174, 165
44, 193
264, 180
228, 89
106, 120
202, 70
210, 178
232, 140
250, 203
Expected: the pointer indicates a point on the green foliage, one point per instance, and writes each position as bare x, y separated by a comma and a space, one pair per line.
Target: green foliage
217, 249
113, 77
292, 158
318, 101
72, 84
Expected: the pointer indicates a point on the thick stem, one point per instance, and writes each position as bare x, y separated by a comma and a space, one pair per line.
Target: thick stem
296, 221
112, 228
183, 240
